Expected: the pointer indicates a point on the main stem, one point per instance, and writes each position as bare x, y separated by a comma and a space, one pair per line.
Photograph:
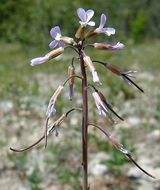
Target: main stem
84, 123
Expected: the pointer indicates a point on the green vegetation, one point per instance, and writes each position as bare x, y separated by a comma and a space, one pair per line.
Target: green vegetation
29, 21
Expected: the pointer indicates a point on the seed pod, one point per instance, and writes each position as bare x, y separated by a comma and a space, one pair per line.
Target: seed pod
114, 69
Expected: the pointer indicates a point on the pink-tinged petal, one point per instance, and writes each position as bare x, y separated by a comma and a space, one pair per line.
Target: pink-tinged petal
54, 31
38, 60
103, 21
82, 14
91, 23
109, 31
90, 14
53, 44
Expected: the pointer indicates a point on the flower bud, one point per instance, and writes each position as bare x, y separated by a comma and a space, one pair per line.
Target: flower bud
56, 94
51, 106
92, 69
67, 40
89, 63
71, 72
55, 53
91, 34
80, 32
100, 106
49, 56
101, 46
104, 46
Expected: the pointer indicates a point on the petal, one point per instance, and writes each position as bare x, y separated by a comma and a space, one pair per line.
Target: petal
109, 31
130, 73
101, 112
90, 14
61, 44
118, 46
103, 21
126, 81
53, 44
82, 14
95, 77
54, 31
51, 112
71, 92
91, 23
38, 60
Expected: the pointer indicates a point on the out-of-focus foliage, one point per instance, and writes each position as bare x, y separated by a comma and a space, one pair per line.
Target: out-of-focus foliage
29, 21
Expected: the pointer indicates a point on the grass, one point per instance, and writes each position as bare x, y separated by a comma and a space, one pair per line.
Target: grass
29, 88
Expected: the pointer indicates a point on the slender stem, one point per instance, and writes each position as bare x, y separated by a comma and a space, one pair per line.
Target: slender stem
73, 76
84, 122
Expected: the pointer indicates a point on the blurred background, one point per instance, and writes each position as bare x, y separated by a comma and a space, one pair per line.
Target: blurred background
25, 92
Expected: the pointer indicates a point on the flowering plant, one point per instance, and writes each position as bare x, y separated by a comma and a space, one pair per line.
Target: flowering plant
79, 45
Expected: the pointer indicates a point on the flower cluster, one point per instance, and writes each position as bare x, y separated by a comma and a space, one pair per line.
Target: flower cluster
79, 44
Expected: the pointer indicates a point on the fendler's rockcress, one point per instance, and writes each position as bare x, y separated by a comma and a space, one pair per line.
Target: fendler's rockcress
79, 44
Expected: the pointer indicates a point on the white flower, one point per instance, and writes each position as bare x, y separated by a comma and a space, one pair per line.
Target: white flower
101, 29
100, 106
95, 77
51, 111
92, 69
118, 46
56, 34
104, 46
49, 56
85, 17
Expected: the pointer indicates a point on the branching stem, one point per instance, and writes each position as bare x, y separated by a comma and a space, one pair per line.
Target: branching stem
73, 76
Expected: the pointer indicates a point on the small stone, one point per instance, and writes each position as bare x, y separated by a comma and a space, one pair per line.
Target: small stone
99, 169
96, 167
154, 135
134, 173
134, 120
